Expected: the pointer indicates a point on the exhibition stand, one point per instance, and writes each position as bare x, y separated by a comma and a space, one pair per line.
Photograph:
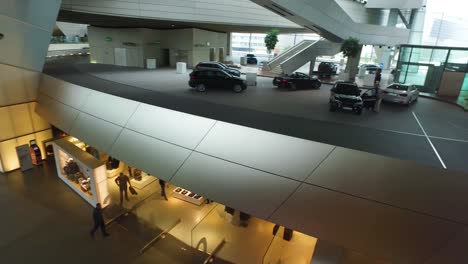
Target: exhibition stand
85, 174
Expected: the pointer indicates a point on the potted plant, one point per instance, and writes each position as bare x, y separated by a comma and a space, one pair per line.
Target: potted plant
351, 48
271, 39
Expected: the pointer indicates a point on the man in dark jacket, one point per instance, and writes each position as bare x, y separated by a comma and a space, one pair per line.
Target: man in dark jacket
122, 180
162, 183
98, 221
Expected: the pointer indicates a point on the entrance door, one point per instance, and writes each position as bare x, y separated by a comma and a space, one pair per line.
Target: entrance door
120, 56
165, 57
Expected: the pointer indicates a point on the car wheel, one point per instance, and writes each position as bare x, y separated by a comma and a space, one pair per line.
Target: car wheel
292, 87
332, 108
201, 88
415, 99
317, 85
237, 88
358, 111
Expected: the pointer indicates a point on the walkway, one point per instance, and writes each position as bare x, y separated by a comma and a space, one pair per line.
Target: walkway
44, 221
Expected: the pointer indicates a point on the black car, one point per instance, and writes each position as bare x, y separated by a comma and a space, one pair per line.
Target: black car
347, 96
327, 68
203, 79
210, 65
251, 59
297, 80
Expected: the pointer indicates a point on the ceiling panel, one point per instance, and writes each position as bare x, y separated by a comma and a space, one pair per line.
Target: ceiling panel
405, 184
95, 132
109, 107
365, 226
274, 153
252, 191
156, 157
175, 127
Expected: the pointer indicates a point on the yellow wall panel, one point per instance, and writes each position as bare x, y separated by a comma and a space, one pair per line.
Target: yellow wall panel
6, 129
21, 119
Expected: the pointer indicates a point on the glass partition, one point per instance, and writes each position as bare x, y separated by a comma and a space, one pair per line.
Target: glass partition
247, 238
299, 249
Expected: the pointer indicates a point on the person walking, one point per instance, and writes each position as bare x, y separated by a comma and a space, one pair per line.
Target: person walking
378, 91
162, 183
98, 222
122, 180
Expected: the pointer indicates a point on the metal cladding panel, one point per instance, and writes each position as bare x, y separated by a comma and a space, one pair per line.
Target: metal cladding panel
401, 183
175, 127
278, 154
251, 191
67, 93
58, 114
153, 156
454, 251
95, 132
114, 109
366, 226
17, 85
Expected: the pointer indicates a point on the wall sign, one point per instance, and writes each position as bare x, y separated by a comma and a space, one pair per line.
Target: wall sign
108, 39
130, 44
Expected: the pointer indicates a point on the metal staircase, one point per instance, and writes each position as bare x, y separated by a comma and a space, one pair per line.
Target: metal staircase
298, 55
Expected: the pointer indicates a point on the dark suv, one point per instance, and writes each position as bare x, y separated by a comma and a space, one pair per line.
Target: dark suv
251, 59
202, 79
210, 65
347, 96
327, 68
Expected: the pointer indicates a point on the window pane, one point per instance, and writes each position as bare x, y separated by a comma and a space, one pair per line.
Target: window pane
405, 54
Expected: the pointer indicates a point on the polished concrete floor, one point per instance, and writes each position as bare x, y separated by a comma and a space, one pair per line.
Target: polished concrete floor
45, 221
422, 132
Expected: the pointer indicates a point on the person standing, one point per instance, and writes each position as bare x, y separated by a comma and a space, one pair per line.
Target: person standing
98, 222
378, 91
162, 183
122, 180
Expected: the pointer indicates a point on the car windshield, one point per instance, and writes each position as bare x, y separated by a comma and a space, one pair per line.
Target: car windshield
398, 87
347, 89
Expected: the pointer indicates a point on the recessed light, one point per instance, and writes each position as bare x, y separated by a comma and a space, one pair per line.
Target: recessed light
172, 25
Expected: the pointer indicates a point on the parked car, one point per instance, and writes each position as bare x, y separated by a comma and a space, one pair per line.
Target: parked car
251, 59
327, 68
216, 78
401, 93
347, 96
297, 80
209, 65
370, 68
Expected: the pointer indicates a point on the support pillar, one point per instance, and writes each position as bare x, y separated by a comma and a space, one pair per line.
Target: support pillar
352, 66
25, 31
312, 65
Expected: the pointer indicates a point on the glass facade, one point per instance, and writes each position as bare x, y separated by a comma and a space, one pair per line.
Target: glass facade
424, 66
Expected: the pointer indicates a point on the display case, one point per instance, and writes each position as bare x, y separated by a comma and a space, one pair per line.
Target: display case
188, 196
85, 174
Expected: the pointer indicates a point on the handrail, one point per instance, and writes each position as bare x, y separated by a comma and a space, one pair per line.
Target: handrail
300, 51
293, 50
217, 248
159, 236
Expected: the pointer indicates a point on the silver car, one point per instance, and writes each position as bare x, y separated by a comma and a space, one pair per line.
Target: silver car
401, 93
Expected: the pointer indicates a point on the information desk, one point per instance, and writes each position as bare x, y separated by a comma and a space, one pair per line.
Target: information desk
188, 196
85, 174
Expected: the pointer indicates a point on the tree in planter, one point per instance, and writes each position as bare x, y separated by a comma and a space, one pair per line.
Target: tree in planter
351, 48
271, 39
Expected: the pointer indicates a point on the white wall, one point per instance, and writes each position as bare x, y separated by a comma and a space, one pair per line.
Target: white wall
201, 50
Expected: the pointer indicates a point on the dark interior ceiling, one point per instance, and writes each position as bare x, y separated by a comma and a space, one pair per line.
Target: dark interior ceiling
100, 20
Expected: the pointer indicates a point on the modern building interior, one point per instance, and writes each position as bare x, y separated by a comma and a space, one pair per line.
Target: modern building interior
193, 139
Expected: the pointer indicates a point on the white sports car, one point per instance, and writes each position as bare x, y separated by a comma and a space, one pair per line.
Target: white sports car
401, 93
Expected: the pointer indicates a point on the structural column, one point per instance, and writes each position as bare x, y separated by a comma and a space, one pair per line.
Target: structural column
25, 32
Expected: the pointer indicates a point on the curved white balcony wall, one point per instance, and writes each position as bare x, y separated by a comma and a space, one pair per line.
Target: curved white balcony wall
239, 12
386, 208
